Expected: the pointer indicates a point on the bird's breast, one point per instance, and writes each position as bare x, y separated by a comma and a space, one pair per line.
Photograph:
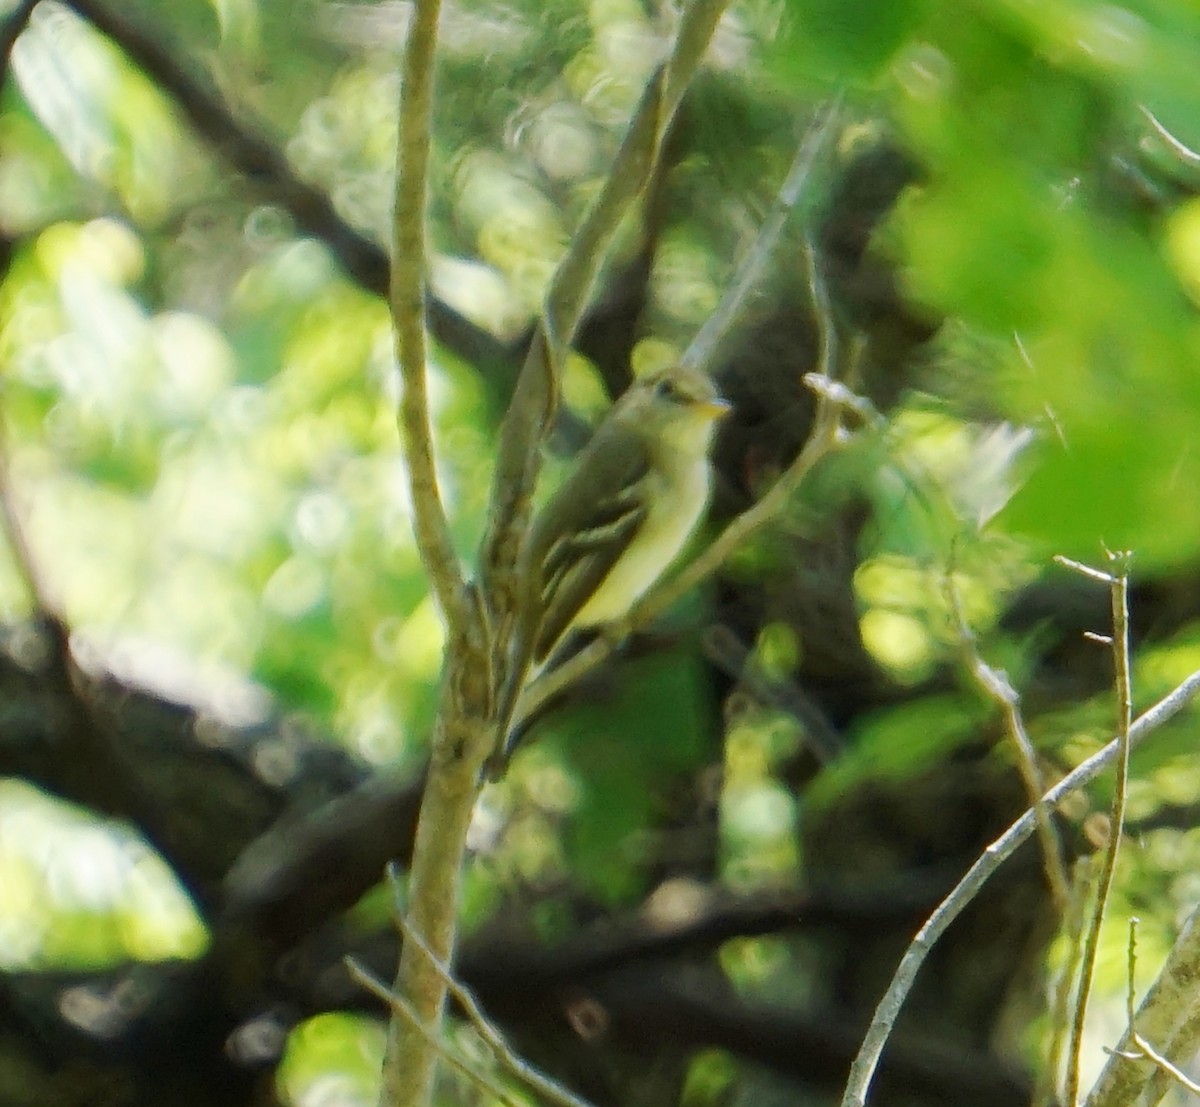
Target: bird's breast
676, 502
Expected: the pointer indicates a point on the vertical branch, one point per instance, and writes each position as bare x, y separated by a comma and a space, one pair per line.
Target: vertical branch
535, 398
1118, 583
461, 742
1045, 1094
407, 297
465, 725
460, 739
573, 279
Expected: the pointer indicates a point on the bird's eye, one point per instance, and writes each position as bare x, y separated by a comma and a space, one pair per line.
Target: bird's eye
667, 389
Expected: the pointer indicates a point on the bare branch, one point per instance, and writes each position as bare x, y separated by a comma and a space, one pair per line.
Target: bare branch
407, 299
703, 348
1170, 1016
1131, 974
1183, 153
1119, 592
1084, 570
536, 396
865, 1064
1046, 1092
462, 741
461, 737
399, 1006
1177, 1075
541, 1083
995, 685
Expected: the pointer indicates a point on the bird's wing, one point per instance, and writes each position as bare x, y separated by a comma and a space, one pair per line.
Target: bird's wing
590, 539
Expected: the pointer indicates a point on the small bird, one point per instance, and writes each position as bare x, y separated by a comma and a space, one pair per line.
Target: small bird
626, 510
622, 516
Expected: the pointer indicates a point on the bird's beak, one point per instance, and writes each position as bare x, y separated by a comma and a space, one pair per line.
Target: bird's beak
713, 409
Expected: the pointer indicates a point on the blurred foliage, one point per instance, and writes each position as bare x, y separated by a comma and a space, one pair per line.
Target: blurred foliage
1035, 220
199, 406
76, 892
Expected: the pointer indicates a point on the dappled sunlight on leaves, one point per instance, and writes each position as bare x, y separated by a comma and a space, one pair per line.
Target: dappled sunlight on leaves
76, 892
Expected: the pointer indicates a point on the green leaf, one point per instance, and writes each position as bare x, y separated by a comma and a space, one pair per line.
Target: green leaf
850, 40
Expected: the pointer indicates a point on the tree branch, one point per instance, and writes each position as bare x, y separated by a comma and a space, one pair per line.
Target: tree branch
544, 1085
1169, 1017
536, 396
407, 300
833, 399
480, 620
706, 344
867, 1061
995, 685
398, 1006
1118, 583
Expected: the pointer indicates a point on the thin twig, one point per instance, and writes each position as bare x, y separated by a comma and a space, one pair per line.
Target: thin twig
865, 1064
407, 294
1119, 593
832, 400
1171, 1070
541, 1083
1168, 1015
827, 343
1089, 571
1185, 154
401, 1007
995, 685
703, 348
1144, 1049
1131, 971
1046, 1092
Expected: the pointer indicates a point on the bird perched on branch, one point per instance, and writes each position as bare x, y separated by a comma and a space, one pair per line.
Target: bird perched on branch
622, 516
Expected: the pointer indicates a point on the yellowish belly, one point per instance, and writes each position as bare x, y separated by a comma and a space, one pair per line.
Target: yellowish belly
659, 540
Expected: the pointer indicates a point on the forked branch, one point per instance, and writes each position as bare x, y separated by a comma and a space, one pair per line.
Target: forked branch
865, 1064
